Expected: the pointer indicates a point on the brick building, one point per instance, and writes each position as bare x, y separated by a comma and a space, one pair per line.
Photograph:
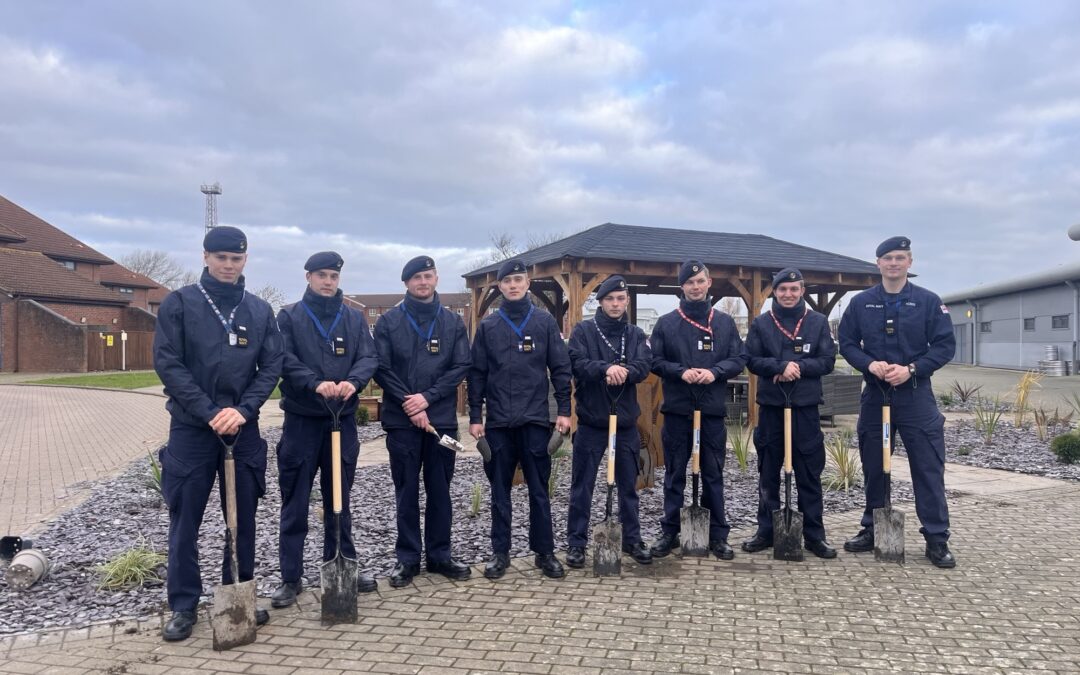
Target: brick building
374, 305
63, 305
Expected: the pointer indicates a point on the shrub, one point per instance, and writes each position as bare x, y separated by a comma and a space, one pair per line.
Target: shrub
740, 439
965, 390
946, 399
362, 416
133, 567
154, 481
1067, 447
987, 416
844, 470
964, 450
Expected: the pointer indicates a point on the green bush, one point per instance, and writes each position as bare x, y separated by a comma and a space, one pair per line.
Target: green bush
740, 439
134, 567
362, 416
1067, 447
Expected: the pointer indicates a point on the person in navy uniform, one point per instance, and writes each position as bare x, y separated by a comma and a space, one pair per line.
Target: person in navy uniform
423, 357
218, 352
329, 357
791, 348
695, 351
898, 335
514, 351
609, 356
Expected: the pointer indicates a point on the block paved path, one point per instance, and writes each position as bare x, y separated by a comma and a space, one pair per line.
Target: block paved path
1012, 605
52, 439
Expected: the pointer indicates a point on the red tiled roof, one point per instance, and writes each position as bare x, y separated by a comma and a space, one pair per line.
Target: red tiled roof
33, 275
43, 237
8, 235
391, 299
118, 275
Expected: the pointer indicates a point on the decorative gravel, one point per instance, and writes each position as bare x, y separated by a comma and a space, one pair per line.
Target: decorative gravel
1012, 449
124, 511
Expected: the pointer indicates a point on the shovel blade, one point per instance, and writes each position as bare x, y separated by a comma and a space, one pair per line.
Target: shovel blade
339, 589
232, 616
607, 549
787, 535
694, 535
889, 535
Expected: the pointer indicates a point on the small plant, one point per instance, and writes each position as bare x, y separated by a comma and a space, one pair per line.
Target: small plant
1061, 420
362, 416
844, 469
132, 568
1042, 422
965, 391
740, 439
1028, 381
987, 416
946, 399
477, 495
964, 450
154, 481
1067, 447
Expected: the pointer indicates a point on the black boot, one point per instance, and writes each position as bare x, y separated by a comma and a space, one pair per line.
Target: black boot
403, 574
757, 543
940, 555
639, 552
664, 544
862, 542
286, 593
575, 557
549, 565
820, 548
365, 583
496, 567
179, 626
262, 617
450, 568
721, 550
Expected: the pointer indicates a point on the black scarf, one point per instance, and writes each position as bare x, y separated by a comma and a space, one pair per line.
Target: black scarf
789, 317
517, 309
611, 328
422, 312
698, 310
323, 307
225, 296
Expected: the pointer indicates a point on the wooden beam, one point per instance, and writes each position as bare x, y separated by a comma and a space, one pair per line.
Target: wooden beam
743, 292
831, 304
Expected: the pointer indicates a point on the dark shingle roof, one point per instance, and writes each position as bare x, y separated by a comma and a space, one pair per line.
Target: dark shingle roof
659, 244
40, 236
34, 275
118, 275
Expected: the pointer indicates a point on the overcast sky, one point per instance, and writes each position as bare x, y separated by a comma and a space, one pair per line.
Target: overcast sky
389, 129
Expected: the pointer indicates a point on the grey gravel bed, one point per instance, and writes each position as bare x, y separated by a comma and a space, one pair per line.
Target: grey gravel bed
123, 511
1012, 449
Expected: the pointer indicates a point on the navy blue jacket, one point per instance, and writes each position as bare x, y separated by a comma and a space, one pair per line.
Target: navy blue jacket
923, 336
770, 352
406, 366
513, 383
675, 350
310, 361
590, 358
201, 372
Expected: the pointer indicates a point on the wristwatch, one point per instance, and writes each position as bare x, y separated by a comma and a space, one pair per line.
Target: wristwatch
911, 369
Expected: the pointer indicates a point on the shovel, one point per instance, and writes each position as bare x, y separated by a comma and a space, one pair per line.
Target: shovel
484, 449
446, 440
232, 616
787, 522
888, 522
607, 539
694, 520
339, 574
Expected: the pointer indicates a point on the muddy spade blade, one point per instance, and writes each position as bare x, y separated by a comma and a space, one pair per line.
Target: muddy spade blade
232, 616
694, 519
607, 537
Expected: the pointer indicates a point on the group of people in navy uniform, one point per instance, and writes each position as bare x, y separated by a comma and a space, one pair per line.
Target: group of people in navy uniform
220, 351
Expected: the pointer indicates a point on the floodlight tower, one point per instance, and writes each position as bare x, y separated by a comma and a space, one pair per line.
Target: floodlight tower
211, 192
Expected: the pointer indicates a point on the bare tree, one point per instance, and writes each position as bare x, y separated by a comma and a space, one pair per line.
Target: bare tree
158, 265
272, 294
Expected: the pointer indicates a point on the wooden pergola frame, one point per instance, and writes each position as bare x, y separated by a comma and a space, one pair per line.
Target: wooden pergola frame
563, 285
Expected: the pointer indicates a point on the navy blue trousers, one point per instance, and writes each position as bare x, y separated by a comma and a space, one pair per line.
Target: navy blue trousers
677, 436
526, 444
807, 460
590, 448
916, 418
190, 461
412, 452
303, 450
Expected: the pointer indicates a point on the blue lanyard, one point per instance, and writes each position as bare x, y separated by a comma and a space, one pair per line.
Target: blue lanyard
232, 315
416, 326
520, 330
318, 324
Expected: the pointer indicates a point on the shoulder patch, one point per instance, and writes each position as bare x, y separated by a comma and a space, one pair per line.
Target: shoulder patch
944, 309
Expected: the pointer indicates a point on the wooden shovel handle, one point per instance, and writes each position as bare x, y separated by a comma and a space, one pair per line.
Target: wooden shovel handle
886, 439
230, 493
611, 431
335, 471
696, 454
787, 440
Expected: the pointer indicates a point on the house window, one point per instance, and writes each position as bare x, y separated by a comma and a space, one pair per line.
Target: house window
460, 311
984, 327
1029, 324
70, 264
1059, 321
372, 312
126, 290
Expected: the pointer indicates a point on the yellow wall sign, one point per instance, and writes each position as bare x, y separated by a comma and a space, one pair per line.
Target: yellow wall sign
108, 341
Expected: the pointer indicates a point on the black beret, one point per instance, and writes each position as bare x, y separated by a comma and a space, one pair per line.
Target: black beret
324, 260
689, 269
893, 244
512, 266
786, 275
610, 285
418, 264
225, 238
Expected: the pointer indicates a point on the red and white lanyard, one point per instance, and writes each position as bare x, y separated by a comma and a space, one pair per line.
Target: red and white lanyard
697, 325
790, 336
